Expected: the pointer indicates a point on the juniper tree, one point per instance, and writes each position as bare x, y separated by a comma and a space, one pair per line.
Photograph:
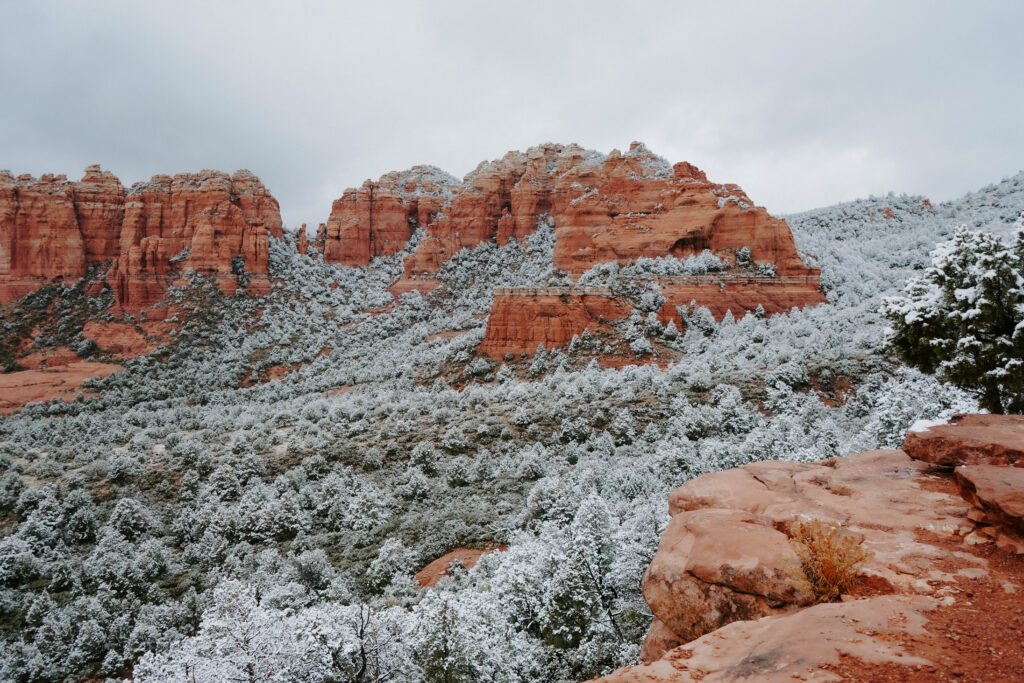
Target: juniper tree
964, 318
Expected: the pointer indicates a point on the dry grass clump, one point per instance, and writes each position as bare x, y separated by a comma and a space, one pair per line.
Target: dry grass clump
831, 559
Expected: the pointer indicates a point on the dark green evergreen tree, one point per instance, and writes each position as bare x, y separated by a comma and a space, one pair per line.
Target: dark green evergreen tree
964, 318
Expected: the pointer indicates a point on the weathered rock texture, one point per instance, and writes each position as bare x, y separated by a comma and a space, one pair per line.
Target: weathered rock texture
199, 221
52, 228
379, 218
970, 440
616, 207
725, 563
523, 318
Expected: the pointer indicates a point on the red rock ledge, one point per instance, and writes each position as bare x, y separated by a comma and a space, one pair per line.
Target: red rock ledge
938, 600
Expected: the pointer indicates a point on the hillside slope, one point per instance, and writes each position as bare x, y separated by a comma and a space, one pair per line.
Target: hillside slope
280, 468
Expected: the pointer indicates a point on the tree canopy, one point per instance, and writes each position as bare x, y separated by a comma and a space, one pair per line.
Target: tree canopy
964, 318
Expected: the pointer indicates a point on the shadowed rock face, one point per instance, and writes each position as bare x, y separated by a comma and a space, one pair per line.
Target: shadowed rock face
54, 228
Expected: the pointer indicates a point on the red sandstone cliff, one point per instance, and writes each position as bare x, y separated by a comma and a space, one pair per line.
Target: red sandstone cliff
39, 235
606, 208
54, 228
199, 221
378, 218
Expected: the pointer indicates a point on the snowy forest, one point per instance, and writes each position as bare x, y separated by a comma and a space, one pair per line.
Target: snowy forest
198, 517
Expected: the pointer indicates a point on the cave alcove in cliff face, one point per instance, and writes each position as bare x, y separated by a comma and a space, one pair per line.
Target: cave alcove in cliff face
691, 245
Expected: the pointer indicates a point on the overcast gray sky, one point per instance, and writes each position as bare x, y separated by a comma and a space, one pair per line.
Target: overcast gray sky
804, 104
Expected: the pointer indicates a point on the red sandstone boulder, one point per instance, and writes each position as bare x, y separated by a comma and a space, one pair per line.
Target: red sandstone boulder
717, 566
996, 491
970, 440
724, 556
796, 646
908, 515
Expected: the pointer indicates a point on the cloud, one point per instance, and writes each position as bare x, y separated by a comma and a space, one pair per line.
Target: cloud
802, 103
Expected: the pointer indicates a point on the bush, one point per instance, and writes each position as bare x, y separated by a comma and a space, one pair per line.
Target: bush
830, 558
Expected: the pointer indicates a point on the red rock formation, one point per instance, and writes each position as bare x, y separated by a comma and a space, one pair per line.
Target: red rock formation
198, 221
737, 294
633, 205
606, 208
970, 440
523, 318
724, 580
52, 228
39, 235
618, 207
379, 218
303, 244
499, 200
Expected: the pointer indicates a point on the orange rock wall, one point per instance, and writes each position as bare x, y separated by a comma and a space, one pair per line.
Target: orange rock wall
53, 228
739, 295
199, 221
522, 319
378, 218
616, 207
39, 235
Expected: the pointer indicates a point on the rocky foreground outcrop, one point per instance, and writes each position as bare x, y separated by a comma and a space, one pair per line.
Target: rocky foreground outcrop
209, 222
731, 601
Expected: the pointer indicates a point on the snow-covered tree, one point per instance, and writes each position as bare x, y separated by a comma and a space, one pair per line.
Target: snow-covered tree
964, 318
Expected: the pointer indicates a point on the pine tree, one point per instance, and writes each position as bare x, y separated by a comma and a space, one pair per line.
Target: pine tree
964, 318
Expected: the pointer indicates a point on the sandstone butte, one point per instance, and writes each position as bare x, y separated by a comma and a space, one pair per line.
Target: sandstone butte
938, 597
148, 236
615, 207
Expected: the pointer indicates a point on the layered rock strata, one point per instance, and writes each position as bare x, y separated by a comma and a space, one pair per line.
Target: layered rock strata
728, 594
209, 222
379, 218
604, 208
523, 317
